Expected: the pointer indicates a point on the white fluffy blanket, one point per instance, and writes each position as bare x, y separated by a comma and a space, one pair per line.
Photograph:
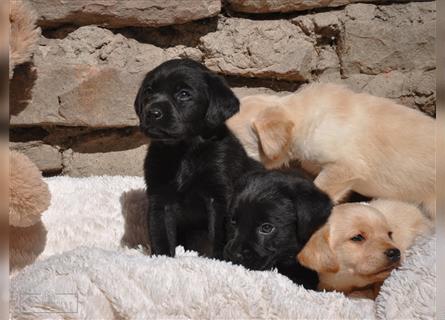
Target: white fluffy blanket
86, 269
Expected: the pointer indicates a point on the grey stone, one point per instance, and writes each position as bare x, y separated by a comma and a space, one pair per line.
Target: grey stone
265, 6
241, 92
379, 39
90, 78
122, 13
46, 157
414, 89
126, 162
265, 49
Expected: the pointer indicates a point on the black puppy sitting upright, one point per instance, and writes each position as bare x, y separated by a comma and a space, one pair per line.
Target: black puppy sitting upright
193, 160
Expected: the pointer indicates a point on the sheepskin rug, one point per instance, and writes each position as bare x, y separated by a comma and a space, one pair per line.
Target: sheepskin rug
91, 262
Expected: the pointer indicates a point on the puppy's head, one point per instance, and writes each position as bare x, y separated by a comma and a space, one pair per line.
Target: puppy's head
273, 215
357, 240
181, 99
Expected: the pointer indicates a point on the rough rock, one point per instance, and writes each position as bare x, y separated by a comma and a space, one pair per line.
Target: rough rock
127, 162
386, 50
414, 89
89, 78
379, 39
118, 13
276, 49
266, 6
46, 157
241, 92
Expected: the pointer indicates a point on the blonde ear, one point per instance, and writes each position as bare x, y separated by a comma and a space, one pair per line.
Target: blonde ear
274, 131
317, 254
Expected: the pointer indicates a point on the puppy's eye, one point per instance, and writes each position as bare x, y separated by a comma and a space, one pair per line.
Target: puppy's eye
358, 238
183, 95
390, 235
266, 228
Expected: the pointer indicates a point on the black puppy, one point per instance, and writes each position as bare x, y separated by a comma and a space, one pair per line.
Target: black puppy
193, 160
274, 214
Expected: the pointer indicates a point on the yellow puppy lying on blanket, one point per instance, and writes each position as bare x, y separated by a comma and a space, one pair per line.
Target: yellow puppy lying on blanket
362, 243
351, 141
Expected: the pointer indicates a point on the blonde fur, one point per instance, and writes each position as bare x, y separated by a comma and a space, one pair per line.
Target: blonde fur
359, 268
28, 194
24, 34
351, 141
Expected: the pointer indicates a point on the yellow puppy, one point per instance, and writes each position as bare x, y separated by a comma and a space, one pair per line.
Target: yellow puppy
350, 141
362, 243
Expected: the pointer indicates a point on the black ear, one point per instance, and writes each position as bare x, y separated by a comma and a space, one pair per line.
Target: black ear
138, 102
222, 101
313, 209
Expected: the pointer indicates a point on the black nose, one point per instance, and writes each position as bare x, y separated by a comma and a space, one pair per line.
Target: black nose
393, 254
155, 114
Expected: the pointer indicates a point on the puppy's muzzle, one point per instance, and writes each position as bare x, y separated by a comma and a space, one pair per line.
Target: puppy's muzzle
237, 256
393, 254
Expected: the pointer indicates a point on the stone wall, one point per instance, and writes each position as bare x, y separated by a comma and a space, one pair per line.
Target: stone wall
72, 108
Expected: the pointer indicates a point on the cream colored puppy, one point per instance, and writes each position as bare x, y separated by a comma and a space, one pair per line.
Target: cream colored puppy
350, 141
361, 244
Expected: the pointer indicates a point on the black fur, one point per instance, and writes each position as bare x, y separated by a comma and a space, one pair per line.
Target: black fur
289, 203
193, 160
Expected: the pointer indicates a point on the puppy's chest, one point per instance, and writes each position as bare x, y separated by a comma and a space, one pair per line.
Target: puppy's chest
193, 167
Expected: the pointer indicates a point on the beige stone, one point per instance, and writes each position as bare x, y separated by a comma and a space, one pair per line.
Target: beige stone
379, 39
414, 89
46, 157
123, 163
265, 49
122, 13
241, 92
90, 78
265, 6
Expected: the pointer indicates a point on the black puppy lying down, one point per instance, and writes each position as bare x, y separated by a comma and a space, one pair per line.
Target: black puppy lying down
273, 215
193, 160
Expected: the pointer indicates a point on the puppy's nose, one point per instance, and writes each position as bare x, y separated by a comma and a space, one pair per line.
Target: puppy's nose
155, 114
393, 254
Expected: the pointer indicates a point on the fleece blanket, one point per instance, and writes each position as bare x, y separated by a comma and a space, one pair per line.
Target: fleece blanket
88, 260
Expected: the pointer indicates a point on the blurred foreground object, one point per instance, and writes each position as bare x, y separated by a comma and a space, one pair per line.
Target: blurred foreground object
29, 195
24, 34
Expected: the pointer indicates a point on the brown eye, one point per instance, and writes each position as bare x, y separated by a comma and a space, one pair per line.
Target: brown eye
358, 238
184, 95
266, 228
390, 235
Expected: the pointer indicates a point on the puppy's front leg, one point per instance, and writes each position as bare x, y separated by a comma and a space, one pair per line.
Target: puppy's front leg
162, 227
216, 227
336, 180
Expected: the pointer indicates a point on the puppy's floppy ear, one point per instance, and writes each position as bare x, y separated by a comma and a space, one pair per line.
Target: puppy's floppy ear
317, 254
139, 100
313, 208
274, 131
223, 103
